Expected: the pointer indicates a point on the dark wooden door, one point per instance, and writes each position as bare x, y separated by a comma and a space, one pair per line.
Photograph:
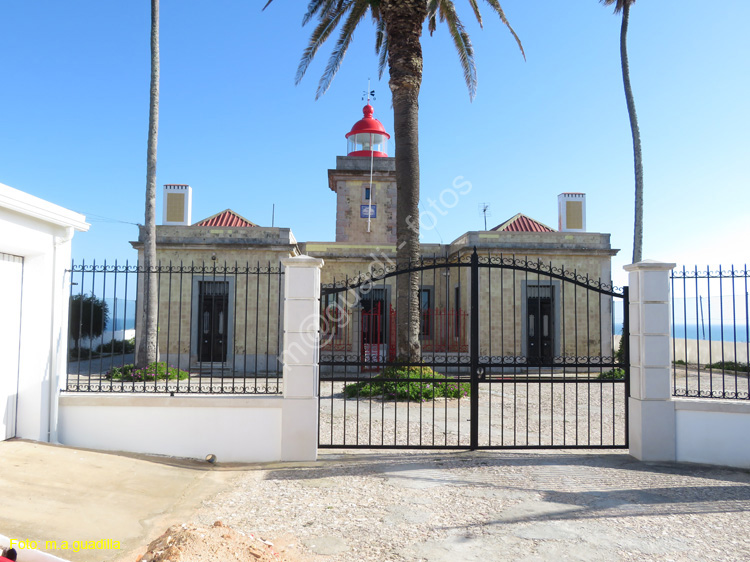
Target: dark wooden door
213, 322
539, 330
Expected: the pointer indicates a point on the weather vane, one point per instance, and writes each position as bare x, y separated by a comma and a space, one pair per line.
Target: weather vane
368, 94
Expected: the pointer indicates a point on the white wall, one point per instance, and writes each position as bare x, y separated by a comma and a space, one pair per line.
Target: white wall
11, 280
106, 337
714, 350
662, 427
40, 233
234, 428
713, 431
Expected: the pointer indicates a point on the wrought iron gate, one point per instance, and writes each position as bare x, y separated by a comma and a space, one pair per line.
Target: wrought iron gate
514, 354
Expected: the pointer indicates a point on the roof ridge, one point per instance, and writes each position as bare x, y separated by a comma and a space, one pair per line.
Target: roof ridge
503, 226
224, 212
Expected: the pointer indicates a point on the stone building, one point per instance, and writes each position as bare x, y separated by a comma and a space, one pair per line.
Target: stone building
528, 313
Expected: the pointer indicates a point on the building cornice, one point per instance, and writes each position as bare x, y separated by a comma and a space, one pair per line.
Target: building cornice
28, 205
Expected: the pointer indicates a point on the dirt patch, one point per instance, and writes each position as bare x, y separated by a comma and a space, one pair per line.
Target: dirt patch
191, 543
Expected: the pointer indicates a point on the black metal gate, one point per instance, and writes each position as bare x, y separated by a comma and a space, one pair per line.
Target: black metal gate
513, 354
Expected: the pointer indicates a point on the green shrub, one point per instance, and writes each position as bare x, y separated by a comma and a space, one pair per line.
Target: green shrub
613, 375
729, 366
117, 346
620, 353
155, 371
87, 316
679, 362
408, 383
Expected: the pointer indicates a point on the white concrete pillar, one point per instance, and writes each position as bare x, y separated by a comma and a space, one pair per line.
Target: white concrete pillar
652, 413
299, 420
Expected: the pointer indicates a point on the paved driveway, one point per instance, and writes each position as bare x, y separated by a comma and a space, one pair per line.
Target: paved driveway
56, 493
489, 506
434, 506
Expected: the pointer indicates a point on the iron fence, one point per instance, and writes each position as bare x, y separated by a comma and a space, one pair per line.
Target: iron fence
219, 328
710, 333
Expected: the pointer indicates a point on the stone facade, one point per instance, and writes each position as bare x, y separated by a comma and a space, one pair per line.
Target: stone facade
582, 323
241, 263
350, 180
513, 303
232, 260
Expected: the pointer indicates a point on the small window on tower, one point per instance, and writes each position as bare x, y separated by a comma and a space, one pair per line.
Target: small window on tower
367, 194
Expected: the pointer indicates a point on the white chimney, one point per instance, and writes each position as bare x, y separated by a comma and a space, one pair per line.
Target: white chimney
178, 204
572, 212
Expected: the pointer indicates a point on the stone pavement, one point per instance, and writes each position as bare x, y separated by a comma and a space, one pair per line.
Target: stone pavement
450, 506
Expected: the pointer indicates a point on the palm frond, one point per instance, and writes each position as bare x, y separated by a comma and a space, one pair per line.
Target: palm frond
323, 30
380, 35
619, 4
432, 9
381, 48
324, 8
357, 11
463, 45
375, 10
475, 7
314, 7
496, 6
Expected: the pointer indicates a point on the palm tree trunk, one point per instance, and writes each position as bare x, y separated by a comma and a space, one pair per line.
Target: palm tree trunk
147, 349
403, 21
638, 222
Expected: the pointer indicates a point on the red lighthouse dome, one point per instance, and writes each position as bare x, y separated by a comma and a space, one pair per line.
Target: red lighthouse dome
368, 136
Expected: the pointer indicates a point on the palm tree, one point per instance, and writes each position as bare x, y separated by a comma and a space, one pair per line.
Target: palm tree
399, 26
624, 7
147, 349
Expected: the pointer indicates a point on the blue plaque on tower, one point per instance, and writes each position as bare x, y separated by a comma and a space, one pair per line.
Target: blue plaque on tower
368, 211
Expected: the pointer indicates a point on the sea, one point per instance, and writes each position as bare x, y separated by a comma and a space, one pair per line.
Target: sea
713, 332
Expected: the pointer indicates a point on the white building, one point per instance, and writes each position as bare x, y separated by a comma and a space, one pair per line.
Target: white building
35, 240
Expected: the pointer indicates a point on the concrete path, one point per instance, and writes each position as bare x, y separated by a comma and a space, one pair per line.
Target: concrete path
57, 493
437, 506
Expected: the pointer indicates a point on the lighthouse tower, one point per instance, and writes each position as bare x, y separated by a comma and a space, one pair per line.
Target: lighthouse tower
365, 185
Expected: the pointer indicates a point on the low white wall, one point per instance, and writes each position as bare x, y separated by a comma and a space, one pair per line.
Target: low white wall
713, 351
708, 350
106, 337
712, 432
234, 428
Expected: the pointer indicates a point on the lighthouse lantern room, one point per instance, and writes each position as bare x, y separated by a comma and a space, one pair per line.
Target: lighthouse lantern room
368, 136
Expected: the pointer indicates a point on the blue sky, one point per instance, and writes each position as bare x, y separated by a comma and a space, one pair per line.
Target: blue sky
74, 117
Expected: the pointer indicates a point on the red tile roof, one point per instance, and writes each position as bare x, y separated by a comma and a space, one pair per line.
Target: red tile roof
522, 223
226, 218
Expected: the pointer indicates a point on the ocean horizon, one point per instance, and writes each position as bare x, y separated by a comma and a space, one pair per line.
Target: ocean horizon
713, 332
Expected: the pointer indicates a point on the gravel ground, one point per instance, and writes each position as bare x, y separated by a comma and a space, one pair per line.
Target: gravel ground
482, 506
510, 414
698, 380
440, 506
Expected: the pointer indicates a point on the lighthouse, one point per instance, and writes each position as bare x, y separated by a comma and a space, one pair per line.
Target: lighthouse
368, 136
365, 185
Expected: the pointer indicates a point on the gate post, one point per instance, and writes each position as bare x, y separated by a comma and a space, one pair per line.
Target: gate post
474, 351
300, 353
652, 414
